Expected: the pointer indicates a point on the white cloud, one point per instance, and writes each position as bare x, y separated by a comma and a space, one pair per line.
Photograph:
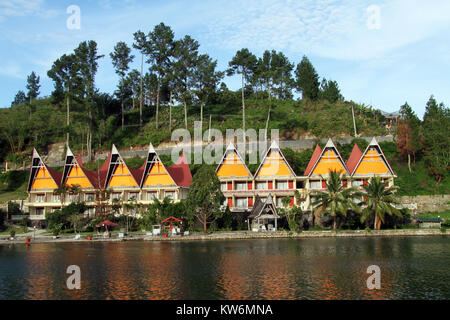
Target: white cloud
11, 69
328, 28
23, 8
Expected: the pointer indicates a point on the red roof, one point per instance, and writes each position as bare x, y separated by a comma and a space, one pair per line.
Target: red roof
57, 176
91, 175
315, 156
354, 158
180, 172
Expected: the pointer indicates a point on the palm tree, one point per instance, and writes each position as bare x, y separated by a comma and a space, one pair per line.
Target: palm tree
336, 199
75, 190
61, 191
379, 200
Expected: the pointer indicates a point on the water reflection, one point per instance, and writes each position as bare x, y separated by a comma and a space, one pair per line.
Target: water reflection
412, 268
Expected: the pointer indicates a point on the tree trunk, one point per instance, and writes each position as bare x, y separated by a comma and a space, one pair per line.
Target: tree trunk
205, 229
268, 118
334, 222
185, 113
157, 100
375, 224
170, 112
201, 115
123, 116
68, 118
243, 116
409, 162
140, 94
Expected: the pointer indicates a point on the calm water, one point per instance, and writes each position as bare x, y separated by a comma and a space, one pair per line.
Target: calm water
412, 268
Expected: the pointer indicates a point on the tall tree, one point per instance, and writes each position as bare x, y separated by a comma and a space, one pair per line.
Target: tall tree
19, 98
337, 199
140, 44
329, 90
184, 67
121, 58
206, 80
160, 46
379, 201
133, 78
243, 63
33, 86
408, 134
281, 69
205, 198
307, 80
87, 57
65, 74
436, 122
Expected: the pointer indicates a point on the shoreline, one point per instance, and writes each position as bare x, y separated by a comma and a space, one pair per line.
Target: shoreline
243, 235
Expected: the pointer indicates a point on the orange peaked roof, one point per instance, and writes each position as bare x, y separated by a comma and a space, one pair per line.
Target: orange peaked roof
354, 158
315, 156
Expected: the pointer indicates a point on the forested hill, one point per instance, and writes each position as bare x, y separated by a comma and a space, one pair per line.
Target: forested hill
24, 128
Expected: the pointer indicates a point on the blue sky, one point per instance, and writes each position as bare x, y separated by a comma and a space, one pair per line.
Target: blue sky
404, 56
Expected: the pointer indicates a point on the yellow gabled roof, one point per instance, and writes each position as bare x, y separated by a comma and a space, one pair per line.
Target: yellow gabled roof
119, 174
154, 171
373, 161
232, 165
329, 159
274, 164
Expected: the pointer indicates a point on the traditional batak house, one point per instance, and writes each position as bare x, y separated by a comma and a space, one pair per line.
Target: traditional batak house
152, 180
321, 162
371, 163
41, 184
276, 177
236, 180
264, 215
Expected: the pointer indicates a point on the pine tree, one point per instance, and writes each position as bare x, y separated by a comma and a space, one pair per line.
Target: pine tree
33, 86
307, 80
121, 58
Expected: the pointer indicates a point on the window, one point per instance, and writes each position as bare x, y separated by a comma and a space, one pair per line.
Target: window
261, 185
133, 196
115, 196
241, 202
89, 197
357, 183
39, 211
73, 197
315, 185
223, 186
240, 186
40, 198
151, 195
90, 212
282, 185
170, 194
280, 202
56, 198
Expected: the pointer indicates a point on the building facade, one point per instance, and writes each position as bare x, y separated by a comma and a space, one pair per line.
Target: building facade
49, 190
276, 178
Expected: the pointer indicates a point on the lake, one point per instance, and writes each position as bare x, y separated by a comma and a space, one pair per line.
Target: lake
411, 268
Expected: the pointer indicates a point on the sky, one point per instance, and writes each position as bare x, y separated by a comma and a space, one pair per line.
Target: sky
381, 52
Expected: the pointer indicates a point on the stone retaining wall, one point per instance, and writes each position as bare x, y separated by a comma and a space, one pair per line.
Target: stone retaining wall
424, 204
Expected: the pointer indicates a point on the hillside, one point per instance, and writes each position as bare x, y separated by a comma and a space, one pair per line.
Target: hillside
25, 128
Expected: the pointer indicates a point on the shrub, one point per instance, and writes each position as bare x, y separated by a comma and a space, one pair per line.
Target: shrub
12, 233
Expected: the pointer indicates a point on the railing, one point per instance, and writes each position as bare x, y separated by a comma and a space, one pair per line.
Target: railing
37, 217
